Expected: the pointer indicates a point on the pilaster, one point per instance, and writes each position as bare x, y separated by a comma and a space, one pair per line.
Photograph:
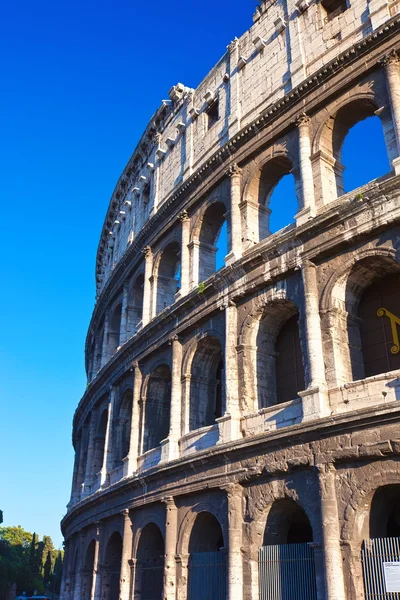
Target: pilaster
171, 537
391, 65
130, 465
234, 173
306, 174
123, 331
176, 399
125, 578
185, 255
235, 523
230, 429
148, 267
108, 442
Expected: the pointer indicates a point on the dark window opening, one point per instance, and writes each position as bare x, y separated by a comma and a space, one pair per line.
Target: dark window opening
212, 114
289, 364
334, 8
146, 193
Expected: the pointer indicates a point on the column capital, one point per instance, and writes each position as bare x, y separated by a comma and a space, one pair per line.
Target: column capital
233, 490
233, 170
146, 251
183, 216
302, 120
125, 513
233, 45
390, 59
174, 338
169, 501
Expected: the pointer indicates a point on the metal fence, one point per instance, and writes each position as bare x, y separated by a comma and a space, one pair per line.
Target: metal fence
380, 578
287, 572
207, 576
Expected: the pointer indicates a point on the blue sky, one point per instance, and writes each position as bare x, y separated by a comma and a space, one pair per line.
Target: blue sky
79, 82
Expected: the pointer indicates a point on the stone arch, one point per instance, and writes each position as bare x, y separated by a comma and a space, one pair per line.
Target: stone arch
135, 303
188, 521
166, 274
205, 232
330, 135
272, 361
340, 300
262, 179
158, 518
122, 425
287, 523
114, 336
192, 345
88, 569
111, 570
206, 399
156, 407
150, 556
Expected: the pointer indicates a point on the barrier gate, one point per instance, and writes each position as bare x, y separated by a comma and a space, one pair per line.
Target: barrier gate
380, 560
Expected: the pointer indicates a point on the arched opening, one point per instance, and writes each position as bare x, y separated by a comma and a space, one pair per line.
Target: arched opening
364, 153
87, 572
207, 565
168, 276
206, 384
279, 364
150, 563
378, 329
135, 312
99, 443
112, 567
384, 520
286, 555
333, 152
287, 523
213, 236
276, 196
115, 329
157, 407
123, 427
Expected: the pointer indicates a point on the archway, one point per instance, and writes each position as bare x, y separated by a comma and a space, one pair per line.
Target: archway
123, 427
206, 384
286, 556
87, 572
207, 564
115, 329
112, 567
168, 276
212, 226
150, 563
384, 518
135, 311
279, 364
157, 407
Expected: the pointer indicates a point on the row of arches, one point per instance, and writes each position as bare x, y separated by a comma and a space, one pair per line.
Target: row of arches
272, 360
359, 135
96, 572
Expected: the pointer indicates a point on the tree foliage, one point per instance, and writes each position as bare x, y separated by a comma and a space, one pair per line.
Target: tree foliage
28, 564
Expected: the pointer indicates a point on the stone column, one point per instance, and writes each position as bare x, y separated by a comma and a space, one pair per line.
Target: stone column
171, 537
79, 566
182, 564
108, 445
391, 64
194, 249
185, 256
96, 585
148, 255
235, 560
90, 453
131, 463
176, 399
333, 563
104, 350
125, 578
234, 173
123, 330
315, 399
230, 430
307, 182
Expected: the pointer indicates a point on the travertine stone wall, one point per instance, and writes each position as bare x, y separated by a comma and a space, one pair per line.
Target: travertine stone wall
203, 368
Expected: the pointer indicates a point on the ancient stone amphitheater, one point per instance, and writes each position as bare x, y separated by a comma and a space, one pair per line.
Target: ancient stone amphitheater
239, 435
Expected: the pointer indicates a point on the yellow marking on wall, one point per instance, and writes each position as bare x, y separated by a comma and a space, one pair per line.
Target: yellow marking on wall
394, 321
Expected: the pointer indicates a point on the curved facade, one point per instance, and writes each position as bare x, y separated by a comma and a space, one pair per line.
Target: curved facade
236, 412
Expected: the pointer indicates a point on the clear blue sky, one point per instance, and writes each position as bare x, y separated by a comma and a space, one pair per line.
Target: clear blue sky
79, 82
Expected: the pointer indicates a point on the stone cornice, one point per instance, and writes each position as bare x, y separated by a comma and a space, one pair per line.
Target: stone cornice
220, 159
226, 283
128, 493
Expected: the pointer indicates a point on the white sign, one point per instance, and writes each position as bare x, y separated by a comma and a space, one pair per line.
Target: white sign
392, 576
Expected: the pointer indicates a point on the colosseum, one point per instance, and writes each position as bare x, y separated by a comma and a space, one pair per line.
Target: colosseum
239, 435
